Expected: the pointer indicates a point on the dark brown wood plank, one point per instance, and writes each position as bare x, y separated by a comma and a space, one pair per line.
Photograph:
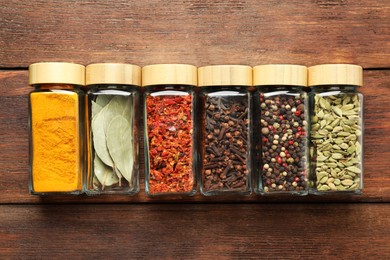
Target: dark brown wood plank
14, 149
200, 231
199, 32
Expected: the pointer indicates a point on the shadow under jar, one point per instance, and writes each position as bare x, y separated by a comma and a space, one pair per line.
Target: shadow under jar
112, 129
225, 129
336, 151
56, 126
282, 122
170, 144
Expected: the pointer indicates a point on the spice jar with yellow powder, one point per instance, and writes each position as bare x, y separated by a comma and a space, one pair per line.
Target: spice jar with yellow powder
112, 129
56, 127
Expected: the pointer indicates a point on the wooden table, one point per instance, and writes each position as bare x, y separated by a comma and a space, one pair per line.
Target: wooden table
197, 32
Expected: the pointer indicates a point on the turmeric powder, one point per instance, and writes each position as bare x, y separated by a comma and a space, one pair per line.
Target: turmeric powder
55, 140
55, 128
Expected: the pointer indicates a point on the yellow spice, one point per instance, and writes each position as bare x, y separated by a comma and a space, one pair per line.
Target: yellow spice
55, 140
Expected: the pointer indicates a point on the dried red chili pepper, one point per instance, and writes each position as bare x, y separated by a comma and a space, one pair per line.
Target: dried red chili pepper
169, 128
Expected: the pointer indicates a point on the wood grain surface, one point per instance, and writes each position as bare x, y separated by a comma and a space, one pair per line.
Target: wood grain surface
199, 32
198, 231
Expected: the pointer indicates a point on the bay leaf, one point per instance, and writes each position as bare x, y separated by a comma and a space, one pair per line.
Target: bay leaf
118, 105
120, 143
95, 183
99, 138
104, 173
119, 174
127, 102
96, 108
103, 100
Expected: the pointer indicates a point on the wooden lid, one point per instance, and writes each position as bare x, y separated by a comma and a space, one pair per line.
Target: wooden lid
225, 75
113, 73
169, 74
280, 74
57, 73
335, 74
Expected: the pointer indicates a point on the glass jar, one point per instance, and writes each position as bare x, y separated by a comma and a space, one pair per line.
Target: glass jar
170, 144
336, 151
56, 120
112, 128
225, 129
282, 129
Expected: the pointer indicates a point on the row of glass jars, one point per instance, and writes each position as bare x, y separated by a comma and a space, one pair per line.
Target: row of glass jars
243, 129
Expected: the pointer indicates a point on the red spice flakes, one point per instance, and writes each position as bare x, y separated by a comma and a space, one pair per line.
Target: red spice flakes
169, 126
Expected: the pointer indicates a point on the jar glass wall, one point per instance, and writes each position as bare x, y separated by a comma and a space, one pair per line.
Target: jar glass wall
336, 129
56, 128
112, 128
169, 136
282, 126
225, 129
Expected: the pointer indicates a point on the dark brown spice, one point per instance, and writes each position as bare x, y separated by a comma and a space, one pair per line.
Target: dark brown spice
225, 148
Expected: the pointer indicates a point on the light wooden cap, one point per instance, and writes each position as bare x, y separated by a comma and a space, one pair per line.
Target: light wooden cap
57, 73
225, 75
169, 74
336, 74
113, 73
280, 74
